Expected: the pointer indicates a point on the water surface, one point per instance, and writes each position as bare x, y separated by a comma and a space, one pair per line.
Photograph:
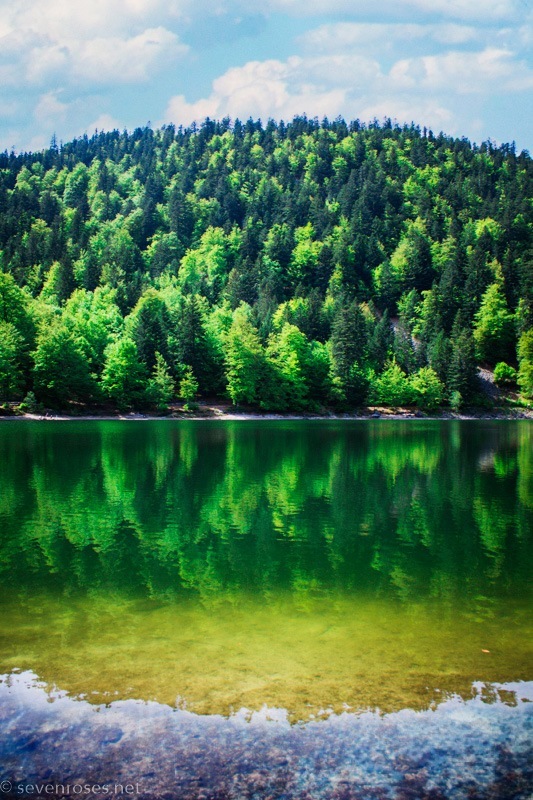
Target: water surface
306, 565
316, 568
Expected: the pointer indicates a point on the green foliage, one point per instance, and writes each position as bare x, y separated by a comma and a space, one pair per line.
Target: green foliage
456, 400
504, 374
124, 377
381, 342
193, 336
289, 353
297, 370
525, 362
159, 237
356, 386
188, 389
392, 387
349, 344
408, 309
94, 319
15, 308
61, 371
11, 373
494, 329
462, 370
161, 388
29, 404
245, 358
411, 261
304, 258
149, 325
428, 389
439, 354
205, 269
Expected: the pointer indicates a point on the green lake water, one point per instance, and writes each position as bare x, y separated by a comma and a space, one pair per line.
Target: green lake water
305, 565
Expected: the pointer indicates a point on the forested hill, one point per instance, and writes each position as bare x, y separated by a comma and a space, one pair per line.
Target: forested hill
292, 266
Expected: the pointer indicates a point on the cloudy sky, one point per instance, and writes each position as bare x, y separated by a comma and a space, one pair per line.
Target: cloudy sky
73, 66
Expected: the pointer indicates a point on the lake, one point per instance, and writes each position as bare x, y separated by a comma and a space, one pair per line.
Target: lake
298, 609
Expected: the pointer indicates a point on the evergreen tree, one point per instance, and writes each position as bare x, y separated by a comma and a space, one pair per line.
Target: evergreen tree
439, 355
381, 342
462, 371
191, 345
160, 389
188, 388
349, 339
149, 326
349, 350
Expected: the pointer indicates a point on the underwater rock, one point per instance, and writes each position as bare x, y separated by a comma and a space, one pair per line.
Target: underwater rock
461, 749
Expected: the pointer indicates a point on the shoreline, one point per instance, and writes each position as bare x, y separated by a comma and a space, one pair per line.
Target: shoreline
209, 412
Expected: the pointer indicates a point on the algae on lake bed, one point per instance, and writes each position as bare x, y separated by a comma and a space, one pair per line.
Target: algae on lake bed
330, 653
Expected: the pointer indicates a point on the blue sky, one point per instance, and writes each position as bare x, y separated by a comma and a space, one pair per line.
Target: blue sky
69, 67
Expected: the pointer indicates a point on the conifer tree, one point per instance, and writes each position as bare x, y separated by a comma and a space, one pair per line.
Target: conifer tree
188, 388
161, 388
462, 371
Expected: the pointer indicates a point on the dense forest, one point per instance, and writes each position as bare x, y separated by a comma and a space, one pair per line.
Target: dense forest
294, 266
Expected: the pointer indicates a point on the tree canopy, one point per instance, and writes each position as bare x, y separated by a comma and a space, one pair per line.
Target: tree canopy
289, 266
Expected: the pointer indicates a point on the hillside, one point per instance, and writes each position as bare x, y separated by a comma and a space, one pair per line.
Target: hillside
290, 267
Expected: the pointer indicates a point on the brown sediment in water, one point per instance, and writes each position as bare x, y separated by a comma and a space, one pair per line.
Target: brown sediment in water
304, 654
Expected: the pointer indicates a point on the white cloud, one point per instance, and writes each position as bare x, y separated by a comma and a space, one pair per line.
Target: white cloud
406, 110
49, 109
454, 9
45, 62
105, 41
117, 60
451, 33
468, 9
463, 73
261, 89
66, 19
341, 36
9, 108
105, 122
432, 90
439, 62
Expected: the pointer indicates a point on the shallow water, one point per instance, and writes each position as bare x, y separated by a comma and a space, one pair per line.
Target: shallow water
462, 750
314, 567
327, 653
